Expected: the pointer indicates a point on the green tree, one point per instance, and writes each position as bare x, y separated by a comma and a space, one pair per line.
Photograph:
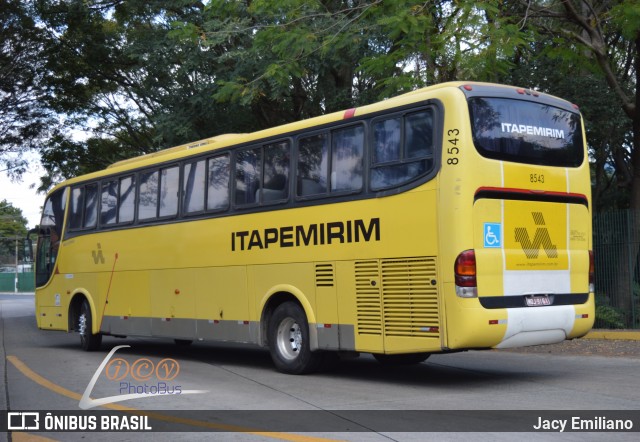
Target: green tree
117, 73
144, 75
24, 118
139, 75
310, 57
12, 225
601, 38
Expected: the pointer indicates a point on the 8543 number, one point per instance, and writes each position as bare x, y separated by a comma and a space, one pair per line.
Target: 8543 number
536, 178
452, 147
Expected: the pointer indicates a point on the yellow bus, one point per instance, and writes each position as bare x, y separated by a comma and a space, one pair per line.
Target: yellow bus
453, 217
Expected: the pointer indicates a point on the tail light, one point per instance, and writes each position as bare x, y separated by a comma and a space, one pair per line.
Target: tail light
465, 275
592, 270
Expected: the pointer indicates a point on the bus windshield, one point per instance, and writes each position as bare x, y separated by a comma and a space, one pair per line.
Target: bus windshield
50, 235
526, 132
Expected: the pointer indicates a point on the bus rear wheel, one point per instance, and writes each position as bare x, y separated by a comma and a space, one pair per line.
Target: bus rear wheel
402, 359
288, 333
88, 341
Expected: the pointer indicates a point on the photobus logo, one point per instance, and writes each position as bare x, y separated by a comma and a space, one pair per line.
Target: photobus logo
144, 372
141, 379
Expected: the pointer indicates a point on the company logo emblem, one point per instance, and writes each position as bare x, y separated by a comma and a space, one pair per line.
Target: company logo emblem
25, 420
540, 239
98, 257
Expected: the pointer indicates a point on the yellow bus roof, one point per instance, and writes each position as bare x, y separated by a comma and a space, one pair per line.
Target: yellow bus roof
225, 140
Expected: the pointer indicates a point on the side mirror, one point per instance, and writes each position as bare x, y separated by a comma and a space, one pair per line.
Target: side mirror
28, 250
27, 245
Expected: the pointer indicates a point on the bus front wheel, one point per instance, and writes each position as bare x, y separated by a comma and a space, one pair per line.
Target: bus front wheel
88, 341
288, 333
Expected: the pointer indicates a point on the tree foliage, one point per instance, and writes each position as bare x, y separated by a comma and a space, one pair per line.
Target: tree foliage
128, 77
597, 43
310, 57
117, 73
12, 225
136, 76
25, 120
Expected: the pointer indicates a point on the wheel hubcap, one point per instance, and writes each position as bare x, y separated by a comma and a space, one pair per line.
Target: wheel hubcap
289, 339
82, 324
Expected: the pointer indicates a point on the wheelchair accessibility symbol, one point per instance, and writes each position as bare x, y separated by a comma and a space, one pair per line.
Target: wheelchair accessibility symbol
492, 235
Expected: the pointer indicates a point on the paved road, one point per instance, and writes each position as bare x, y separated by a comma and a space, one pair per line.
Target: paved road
46, 371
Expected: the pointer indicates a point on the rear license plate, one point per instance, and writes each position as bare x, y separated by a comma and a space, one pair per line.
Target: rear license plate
537, 300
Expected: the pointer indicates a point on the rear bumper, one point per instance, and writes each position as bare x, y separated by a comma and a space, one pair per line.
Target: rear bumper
470, 325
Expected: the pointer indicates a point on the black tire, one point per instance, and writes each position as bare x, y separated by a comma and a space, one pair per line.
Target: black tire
183, 342
88, 341
403, 359
288, 333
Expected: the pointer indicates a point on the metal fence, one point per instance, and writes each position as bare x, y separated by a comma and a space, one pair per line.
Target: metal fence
26, 282
616, 243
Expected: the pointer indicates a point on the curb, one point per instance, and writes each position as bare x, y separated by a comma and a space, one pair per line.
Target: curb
622, 335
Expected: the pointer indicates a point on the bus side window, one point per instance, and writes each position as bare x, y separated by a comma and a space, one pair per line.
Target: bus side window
248, 168
419, 135
193, 187
218, 183
276, 172
346, 158
148, 196
126, 199
77, 205
313, 165
402, 150
90, 206
84, 207
386, 141
169, 191
109, 202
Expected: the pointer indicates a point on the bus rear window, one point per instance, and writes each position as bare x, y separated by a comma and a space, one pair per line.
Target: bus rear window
526, 132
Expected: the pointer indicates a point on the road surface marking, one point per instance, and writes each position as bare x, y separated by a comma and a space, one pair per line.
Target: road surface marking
35, 377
